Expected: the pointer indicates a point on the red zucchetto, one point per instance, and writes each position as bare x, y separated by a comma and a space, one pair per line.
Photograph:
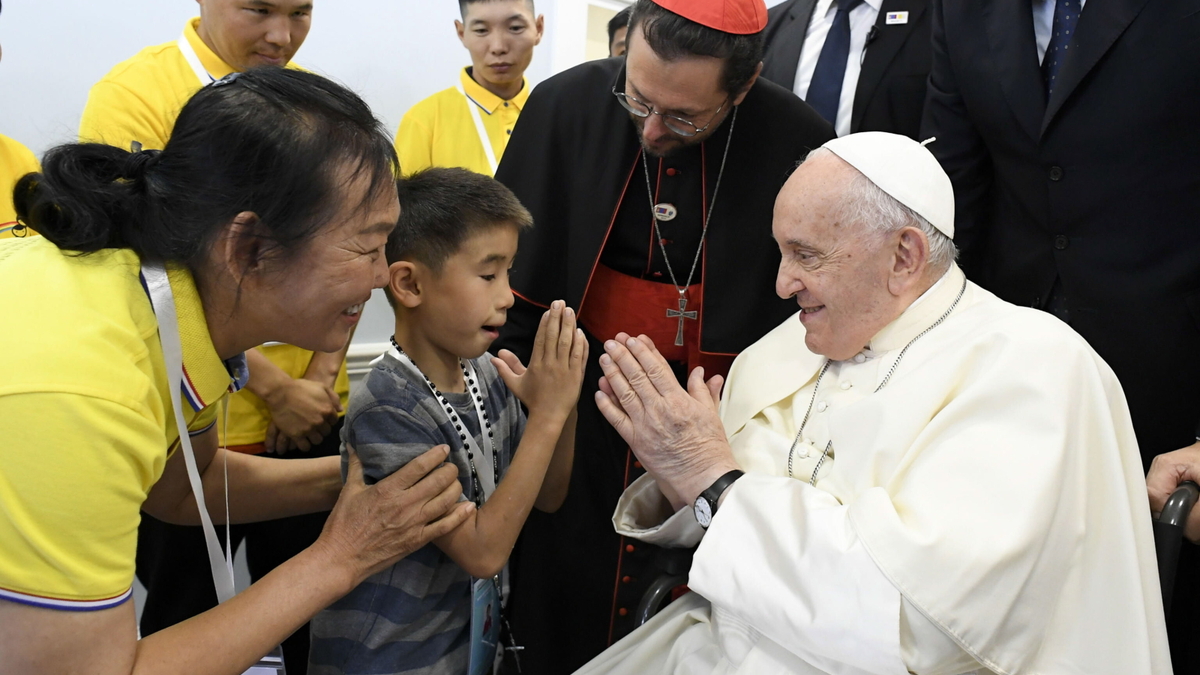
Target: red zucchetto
740, 17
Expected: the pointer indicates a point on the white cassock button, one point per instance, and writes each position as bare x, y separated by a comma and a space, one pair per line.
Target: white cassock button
822, 406
860, 357
846, 385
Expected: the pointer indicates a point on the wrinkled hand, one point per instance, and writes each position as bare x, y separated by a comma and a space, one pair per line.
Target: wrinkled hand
676, 434
1167, 471
551, 383
373, 526
302, 412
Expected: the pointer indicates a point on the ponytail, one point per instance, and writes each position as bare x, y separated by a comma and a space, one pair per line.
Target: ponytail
89, 197
274, 142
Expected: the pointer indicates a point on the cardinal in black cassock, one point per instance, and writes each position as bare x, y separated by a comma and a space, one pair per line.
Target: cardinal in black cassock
575, 160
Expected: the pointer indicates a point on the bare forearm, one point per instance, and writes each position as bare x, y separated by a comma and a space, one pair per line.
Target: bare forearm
265, 376
482, 545
265, 488
558, 474
223, 641
228, 639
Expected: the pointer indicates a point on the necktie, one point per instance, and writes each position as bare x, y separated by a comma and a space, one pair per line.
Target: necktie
825, 90
1062, 34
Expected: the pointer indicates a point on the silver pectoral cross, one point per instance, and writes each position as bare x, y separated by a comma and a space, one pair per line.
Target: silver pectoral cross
681, 314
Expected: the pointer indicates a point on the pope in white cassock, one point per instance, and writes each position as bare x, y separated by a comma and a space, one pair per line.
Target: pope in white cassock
936, 481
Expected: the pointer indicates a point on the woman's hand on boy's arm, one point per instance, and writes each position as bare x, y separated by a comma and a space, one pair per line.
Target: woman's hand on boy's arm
550, 384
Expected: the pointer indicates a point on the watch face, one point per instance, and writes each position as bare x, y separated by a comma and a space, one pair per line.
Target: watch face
703, 512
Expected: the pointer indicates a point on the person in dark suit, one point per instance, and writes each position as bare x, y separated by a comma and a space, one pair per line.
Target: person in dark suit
1069, 129
862, 64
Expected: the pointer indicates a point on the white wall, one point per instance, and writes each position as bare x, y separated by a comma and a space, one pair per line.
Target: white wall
393, 52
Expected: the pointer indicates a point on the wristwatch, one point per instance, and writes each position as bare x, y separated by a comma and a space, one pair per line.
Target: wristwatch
706, 503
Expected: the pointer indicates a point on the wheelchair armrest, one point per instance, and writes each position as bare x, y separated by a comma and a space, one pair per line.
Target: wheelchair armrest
656, 596
673, 565
1168, 536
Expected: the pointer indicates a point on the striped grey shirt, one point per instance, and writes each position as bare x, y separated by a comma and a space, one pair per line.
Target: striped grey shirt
414, 617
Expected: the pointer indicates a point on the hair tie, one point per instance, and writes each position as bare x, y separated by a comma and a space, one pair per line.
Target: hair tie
228, 79
138, 163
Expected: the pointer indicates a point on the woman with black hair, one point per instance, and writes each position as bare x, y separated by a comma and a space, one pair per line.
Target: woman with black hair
263, 219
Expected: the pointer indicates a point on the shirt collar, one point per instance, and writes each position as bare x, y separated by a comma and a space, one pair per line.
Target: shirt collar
920, 314
206, 378
485, 99
826, 7
212, 63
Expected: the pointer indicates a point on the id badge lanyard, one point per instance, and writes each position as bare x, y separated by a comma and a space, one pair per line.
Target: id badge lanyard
162, 300
193, 60
479, 129
487, 597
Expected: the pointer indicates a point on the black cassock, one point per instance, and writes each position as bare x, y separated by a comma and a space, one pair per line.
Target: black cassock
574, 161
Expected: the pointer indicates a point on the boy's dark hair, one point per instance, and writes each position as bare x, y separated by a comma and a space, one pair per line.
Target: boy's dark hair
462, 6
440, 208
671, 36
276, 142
619, 21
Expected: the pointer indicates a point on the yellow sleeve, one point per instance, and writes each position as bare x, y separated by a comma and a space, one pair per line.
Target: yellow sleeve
74, 471
117, 116
414, 145
18, 160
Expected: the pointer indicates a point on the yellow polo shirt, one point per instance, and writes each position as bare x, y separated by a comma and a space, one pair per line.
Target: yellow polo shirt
440, 131
16, 160
86, 417
138, 100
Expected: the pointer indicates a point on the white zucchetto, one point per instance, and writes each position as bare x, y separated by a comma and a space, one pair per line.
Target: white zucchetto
903, 168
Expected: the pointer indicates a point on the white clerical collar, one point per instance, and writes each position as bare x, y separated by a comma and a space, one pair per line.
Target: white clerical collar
923, 311
826, 7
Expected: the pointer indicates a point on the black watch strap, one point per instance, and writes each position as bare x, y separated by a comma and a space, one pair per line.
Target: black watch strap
718, 488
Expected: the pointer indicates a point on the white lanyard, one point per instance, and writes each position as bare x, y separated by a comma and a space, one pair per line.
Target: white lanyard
193, 60
488, 450
480, 129
163, 302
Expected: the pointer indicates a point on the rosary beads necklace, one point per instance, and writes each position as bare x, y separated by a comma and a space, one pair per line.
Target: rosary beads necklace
464, 433
829, 446
682, 312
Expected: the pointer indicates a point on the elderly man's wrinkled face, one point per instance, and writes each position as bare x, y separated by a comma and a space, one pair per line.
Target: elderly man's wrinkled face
837, 272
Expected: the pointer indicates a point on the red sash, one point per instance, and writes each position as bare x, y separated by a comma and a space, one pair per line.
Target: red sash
616, 303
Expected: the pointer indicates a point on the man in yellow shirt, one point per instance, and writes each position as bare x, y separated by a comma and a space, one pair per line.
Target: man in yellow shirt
294, 399
15, 161
468, 125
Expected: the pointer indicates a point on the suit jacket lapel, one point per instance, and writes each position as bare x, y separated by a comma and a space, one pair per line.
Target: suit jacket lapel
880, 52
788, 41
1100, 24
1010, 34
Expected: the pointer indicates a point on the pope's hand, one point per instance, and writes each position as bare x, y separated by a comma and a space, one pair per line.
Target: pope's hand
676, 434
1167, 471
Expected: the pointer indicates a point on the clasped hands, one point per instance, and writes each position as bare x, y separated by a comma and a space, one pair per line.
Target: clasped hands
675, 433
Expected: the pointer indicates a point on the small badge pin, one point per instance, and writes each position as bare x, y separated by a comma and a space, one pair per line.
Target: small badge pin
665, 212
896, 18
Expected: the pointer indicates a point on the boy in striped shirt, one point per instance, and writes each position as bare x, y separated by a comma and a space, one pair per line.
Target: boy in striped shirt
448, 262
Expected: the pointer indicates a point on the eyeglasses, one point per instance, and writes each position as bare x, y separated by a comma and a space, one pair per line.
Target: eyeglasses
676, 124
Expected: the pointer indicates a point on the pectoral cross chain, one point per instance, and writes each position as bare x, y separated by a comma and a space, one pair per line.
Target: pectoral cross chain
681, 314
